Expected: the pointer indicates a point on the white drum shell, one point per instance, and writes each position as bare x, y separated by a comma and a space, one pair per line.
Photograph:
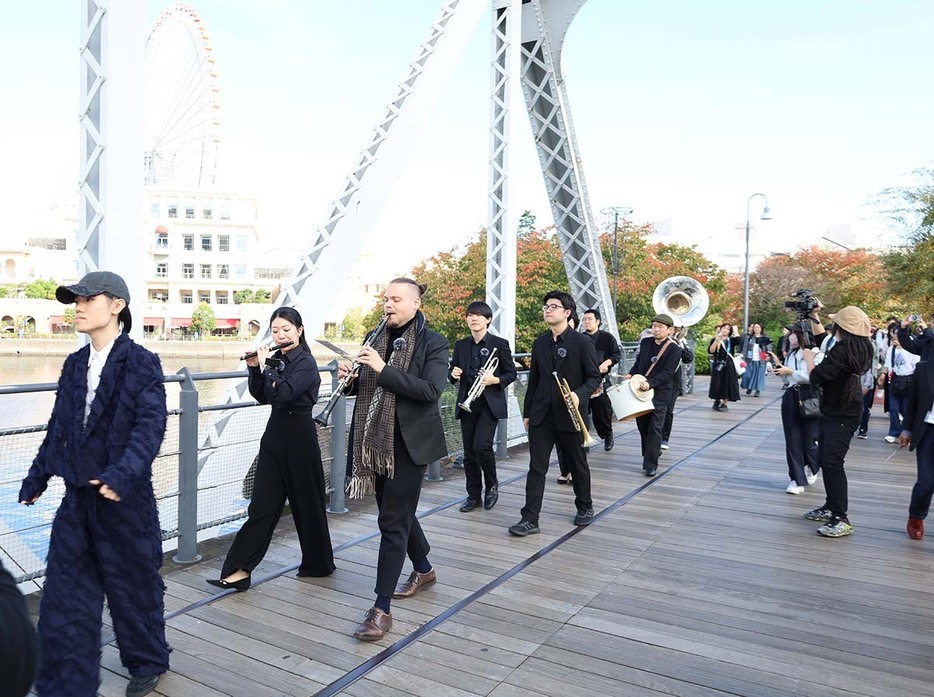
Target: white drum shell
625, 404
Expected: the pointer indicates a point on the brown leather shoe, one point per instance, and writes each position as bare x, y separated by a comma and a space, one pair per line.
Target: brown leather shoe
915, 528
415, 583
375, 625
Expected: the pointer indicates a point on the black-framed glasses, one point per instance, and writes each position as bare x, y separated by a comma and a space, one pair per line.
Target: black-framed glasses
552, 307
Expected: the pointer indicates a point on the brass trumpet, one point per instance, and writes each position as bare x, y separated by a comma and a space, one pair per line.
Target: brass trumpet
492, 363
579, 424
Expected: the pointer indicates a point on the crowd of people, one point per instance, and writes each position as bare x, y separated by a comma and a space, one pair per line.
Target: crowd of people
108, 422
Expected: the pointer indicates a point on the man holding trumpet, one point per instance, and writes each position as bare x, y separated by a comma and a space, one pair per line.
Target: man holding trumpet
562, 359
482, 368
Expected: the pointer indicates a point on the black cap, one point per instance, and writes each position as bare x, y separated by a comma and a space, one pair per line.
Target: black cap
94, 283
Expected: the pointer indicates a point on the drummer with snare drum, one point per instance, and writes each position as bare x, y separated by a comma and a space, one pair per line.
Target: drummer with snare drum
654, 368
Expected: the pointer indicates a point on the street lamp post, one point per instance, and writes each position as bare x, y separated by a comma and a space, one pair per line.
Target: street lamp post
766, 215
616, 211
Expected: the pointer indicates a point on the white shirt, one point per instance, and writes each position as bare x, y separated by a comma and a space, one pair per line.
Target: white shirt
904, 363
96, 362
796, 362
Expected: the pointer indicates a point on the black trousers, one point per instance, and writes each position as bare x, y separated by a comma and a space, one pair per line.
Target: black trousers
800, 439
542, 438
478, 429
400, 531
670, 409
833, 445
867, 408
650, 429
602, 413
289, 467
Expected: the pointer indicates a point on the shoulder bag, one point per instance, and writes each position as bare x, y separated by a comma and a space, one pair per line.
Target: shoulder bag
808, 398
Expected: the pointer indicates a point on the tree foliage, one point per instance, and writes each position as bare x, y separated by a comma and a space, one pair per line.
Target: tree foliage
41, 289
203, 320
838, 277
910, 265
250, 295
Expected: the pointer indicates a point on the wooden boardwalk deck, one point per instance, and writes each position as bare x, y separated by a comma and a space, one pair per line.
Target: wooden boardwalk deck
702, 582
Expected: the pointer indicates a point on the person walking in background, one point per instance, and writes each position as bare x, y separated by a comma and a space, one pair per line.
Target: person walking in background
608, 355
899, 367
838, 378
289, 464
723, 387
918, 434
784, 348
106, 428
677, 335
479, 419
395, 432
800, 432
756, 353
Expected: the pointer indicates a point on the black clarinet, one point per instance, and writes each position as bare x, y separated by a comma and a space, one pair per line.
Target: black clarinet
324, 417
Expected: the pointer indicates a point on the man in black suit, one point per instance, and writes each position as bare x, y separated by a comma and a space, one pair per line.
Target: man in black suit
608, 355
919, 434
545, 413
657, 360
479, 418
396, 430
676, 334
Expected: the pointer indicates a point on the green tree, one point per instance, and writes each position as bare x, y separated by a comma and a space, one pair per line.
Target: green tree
68, 316
242, 297
526, 223
203, 320
7, 291
261, 295
41, 289
353, 327
909, 266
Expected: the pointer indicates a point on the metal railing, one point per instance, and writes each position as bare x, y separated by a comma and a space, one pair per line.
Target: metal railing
203, 473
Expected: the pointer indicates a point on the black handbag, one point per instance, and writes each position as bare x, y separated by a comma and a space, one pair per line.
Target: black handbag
900, 385
808, 398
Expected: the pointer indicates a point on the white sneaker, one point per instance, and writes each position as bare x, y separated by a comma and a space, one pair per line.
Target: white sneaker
891, 439
793, 488
811, 477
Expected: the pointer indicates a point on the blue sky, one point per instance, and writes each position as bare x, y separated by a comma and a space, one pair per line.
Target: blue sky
682, 109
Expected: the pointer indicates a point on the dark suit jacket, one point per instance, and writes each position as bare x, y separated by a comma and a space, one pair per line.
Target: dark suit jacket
418, 391
921, 344
495, 395
920, 401
606, 346
124, 430
578, 366
662, 375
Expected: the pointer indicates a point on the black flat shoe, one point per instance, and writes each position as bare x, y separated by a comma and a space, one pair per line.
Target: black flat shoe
241, 585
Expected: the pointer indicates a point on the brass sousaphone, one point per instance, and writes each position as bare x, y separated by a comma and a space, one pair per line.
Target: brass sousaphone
682, 297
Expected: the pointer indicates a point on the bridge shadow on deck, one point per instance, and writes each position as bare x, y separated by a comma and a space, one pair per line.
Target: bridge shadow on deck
703, 581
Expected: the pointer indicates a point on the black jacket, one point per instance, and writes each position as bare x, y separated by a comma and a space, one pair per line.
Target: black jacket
494, 395
920, 401
920, 345
418, 391
836, 379
578, 366
662, 375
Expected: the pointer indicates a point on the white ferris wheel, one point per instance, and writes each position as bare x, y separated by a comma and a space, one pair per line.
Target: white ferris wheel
182, 113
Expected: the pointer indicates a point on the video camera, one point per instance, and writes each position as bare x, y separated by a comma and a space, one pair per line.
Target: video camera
803, 305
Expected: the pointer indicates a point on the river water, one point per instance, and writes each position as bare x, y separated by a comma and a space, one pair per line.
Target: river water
34, 408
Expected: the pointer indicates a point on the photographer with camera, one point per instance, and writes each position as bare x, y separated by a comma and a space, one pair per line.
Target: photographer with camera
919, 342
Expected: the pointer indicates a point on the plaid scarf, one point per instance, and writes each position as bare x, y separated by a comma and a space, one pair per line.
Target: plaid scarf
375, 415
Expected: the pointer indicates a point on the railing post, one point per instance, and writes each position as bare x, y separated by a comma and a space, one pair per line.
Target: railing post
433, 472
187, 552
338, 447
502, 435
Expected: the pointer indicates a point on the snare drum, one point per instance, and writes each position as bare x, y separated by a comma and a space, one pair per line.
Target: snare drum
625, 403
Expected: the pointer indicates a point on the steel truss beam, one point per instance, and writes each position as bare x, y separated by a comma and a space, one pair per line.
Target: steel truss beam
547, 102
